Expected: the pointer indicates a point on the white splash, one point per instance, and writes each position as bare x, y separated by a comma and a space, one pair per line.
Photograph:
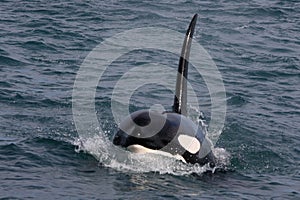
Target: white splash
122, 160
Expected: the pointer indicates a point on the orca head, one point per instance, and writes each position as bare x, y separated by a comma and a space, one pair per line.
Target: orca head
147, 131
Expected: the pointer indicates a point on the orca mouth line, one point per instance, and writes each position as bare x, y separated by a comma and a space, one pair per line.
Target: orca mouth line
178, 136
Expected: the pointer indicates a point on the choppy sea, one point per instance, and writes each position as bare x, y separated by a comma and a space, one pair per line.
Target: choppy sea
255, 46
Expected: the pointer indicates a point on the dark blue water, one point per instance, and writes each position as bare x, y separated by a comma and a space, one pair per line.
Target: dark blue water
255, 45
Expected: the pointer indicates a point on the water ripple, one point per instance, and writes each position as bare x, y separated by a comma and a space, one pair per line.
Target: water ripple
255, 44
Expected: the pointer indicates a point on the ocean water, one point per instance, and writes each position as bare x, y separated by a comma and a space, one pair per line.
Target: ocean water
254, 44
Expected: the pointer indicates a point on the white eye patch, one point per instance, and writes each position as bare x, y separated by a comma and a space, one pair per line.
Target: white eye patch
191, 144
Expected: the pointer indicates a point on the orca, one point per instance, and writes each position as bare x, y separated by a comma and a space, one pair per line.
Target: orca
169, 133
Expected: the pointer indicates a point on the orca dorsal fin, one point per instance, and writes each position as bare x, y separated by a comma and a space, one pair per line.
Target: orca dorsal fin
180, 99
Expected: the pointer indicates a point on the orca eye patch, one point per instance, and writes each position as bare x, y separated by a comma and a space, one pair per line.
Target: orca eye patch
191, 144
